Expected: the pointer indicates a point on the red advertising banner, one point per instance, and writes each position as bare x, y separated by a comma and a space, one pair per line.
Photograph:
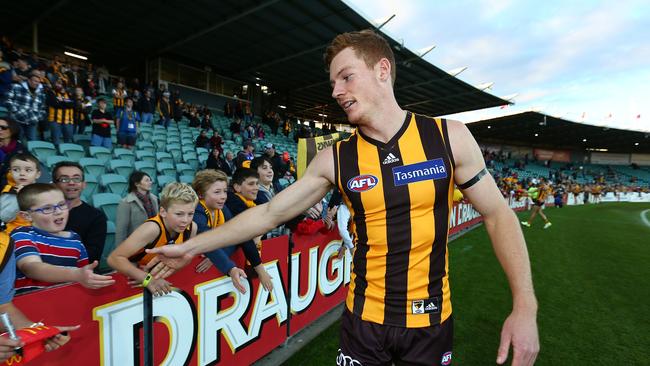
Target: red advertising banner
203, 321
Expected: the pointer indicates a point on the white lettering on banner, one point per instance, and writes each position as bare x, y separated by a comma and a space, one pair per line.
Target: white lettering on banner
325, 286
116, 321
176, 311
298, 302
268, 304
212, 321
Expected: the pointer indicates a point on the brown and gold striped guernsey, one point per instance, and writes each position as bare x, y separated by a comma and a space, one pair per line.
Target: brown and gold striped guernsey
163, 238
400, 195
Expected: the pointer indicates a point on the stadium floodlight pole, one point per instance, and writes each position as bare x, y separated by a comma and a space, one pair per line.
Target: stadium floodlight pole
147, 324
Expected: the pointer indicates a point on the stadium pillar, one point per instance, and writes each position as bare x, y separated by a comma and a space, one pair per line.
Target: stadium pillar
35, 37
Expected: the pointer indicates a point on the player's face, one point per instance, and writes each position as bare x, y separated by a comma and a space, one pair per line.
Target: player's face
215, 196
248, 188
178, 216
52, 222
354, 84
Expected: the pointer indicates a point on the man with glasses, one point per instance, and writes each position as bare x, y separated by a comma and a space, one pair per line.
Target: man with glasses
84, 219
46, 253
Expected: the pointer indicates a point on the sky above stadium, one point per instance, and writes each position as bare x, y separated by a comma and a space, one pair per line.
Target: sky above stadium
584, 61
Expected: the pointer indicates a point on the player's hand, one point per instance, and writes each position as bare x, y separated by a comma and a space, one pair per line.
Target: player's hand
520, 331
60, 339
237, 274
172, 260
7, 347
89, 279
265, 278
159, 287
203, 266
157, 268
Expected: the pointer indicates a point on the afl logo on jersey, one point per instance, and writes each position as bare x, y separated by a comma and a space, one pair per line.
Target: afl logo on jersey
362, 183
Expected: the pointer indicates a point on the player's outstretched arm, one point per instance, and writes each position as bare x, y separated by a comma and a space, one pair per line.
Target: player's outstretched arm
259, 220
520, 328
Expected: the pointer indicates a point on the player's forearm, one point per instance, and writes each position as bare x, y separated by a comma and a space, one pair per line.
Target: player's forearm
510, 249
50, 273
243, 227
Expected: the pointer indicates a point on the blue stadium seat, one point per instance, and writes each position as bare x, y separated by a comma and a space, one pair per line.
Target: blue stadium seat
114, 183
121, 167
164, 157
41, 149
144, 155
93, 166
74, 152
107, 202
53, 159
185, 169
124, 154
101, 153
163, 180
186, 179
147, 167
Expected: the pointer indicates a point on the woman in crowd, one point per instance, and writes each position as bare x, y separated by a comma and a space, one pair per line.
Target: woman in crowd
217, 162
138, 206
9, 146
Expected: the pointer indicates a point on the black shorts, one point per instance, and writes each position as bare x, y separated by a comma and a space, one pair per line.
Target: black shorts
368, 344
539, 203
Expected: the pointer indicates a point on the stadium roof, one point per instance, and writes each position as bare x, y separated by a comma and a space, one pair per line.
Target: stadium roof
543, 131
281, 42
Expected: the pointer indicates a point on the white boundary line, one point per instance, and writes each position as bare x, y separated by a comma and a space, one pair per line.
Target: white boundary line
644, 219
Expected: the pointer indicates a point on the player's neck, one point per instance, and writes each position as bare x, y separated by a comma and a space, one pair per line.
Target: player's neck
382, 126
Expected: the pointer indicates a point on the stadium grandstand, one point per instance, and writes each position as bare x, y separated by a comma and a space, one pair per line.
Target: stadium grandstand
207, 82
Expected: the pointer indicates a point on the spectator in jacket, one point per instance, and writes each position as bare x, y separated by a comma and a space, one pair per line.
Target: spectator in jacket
26, 104
60, 113
126, 122
165, 109
138, 206
146, 106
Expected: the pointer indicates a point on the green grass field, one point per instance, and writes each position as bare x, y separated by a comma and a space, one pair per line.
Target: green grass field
592, 278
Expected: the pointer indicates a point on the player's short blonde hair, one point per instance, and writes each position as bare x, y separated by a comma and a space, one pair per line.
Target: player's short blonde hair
177, 193
205, 178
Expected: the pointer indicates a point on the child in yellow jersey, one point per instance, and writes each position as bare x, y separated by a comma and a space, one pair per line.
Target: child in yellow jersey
23, 170
173, 225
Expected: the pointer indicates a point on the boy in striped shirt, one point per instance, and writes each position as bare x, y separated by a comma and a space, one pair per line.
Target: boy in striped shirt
45, 253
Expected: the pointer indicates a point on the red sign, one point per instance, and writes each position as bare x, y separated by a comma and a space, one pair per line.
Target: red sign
202, 321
